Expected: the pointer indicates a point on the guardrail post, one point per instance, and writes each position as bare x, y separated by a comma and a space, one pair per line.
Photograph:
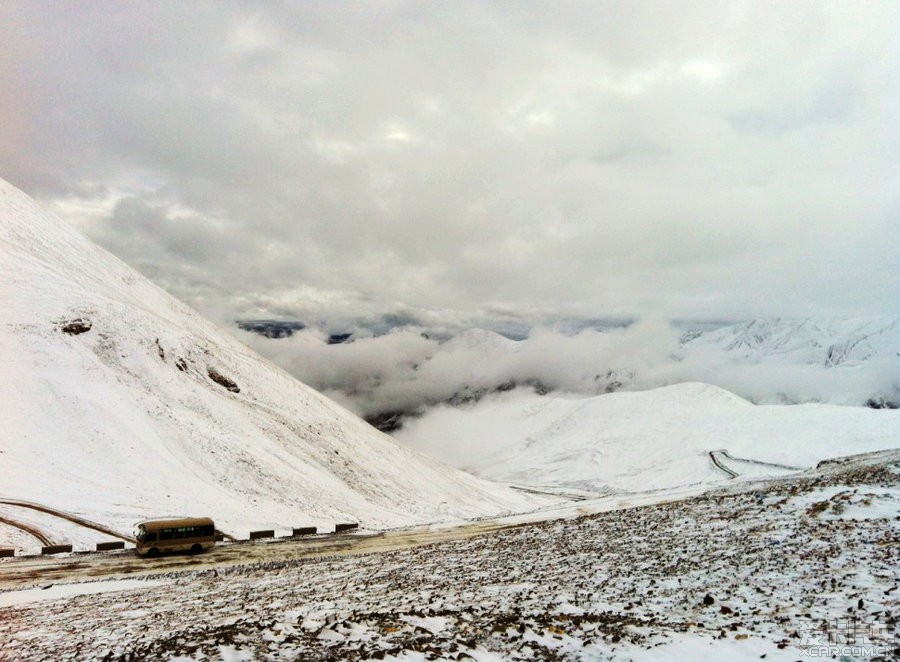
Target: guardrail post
7, 551
56, 549
305, 531
108, 546
268, 533
347, 526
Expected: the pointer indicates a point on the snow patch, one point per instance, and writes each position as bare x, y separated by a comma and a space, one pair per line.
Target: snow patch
66, 591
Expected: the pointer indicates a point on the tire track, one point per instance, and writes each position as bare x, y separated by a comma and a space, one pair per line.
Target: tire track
728, 455
571, 496
30, 530
713, 455
75, 519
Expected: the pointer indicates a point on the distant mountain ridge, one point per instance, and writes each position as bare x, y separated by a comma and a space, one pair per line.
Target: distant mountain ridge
826, 342
272, 328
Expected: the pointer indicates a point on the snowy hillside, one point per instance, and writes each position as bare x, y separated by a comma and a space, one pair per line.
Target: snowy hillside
120, 403
643, 440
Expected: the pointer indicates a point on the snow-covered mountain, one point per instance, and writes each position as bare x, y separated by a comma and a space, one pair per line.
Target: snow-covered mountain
842, 361
643, 440
120, 403
827, 343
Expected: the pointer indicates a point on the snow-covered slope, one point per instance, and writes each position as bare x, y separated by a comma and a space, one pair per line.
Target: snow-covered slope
841, 361
118, 402
816, 342
642, 440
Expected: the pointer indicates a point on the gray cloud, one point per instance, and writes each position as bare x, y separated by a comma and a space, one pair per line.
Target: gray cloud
724, 159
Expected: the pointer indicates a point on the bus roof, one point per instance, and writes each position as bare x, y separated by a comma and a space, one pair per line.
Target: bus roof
157, 524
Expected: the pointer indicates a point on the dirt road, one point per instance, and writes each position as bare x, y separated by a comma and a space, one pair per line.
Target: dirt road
28, 571
25, 572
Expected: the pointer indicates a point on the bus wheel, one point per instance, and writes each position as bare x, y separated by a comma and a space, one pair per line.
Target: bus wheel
153, 553
196, 549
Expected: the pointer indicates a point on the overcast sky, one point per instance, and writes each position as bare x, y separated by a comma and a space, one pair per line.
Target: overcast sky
701, 159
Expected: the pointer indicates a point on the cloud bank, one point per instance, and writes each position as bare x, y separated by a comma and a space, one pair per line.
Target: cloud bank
717, 159
408, 370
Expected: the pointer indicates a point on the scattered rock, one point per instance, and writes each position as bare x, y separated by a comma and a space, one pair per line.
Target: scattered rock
76, 326
222, 380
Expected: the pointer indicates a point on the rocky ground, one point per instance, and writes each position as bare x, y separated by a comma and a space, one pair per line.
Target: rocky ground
788, 569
